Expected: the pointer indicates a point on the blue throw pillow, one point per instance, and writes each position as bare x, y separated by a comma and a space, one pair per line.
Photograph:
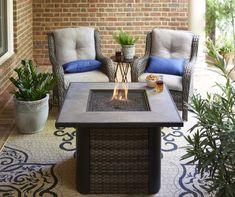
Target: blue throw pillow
81, 66
169, 66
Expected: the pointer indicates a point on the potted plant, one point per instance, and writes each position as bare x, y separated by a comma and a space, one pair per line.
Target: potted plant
31, 97
220, 27
127, 42
210, 49
226, 48
212, 139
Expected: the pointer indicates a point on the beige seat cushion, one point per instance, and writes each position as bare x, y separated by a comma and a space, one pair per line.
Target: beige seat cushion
173, 82
91, 76
74, 44
171, 43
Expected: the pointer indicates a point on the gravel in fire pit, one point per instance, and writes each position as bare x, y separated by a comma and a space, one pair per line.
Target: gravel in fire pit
101, 100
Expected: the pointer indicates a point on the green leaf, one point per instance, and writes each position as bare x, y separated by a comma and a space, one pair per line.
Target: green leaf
212, 138
124, 38
30, 84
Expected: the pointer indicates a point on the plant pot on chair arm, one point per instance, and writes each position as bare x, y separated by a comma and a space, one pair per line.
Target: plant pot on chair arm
77, 44
166, 44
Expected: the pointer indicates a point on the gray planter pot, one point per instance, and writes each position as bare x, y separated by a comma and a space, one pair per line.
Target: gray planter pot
31, 116
128, 51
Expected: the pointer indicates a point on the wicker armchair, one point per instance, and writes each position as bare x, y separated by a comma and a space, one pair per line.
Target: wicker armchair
105, 74
170, 44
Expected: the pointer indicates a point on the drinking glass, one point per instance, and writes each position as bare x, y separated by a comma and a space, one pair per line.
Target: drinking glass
159, 84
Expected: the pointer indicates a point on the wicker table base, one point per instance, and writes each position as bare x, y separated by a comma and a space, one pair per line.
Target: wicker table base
118, 160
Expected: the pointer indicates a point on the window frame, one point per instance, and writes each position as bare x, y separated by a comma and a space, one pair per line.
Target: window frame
10, 39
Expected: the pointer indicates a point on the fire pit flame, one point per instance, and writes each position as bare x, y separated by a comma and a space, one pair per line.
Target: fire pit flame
120, 93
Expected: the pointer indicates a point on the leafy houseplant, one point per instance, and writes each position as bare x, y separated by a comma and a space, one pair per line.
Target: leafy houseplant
124, 38
127, 41
31, 85
31, 97
212, 143
226, 48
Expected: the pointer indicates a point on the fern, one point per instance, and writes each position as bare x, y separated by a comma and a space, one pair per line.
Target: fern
124, 38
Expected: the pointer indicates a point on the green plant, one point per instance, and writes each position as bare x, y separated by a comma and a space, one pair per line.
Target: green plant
212, 139
31, 85
211, 17
211, 48
124, 38
225, 48
225, 45
220, 14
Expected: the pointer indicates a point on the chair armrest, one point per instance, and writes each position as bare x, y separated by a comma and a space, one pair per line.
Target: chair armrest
108, 67
138, 67
57, 70
59, 74
187, 78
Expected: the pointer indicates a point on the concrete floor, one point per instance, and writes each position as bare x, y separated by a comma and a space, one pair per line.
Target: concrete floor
205, 78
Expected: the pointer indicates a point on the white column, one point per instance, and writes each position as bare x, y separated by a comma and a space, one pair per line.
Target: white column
197, 10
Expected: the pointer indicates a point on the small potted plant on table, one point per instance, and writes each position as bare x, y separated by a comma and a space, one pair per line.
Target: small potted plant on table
127, 41
31, 97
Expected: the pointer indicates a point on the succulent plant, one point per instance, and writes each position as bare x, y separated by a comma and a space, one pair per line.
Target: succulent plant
31, 85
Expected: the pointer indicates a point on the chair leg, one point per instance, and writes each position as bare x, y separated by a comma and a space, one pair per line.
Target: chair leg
54, 99
185, 114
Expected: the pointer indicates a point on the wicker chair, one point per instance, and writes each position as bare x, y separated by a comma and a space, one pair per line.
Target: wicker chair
105, 74
170, 44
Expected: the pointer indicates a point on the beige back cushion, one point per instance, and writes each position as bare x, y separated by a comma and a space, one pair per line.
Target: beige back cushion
74, 44
171, 43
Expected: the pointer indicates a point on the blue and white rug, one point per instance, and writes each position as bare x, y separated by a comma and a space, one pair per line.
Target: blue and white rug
43, 164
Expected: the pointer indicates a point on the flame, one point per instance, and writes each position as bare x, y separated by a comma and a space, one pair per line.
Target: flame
120, 93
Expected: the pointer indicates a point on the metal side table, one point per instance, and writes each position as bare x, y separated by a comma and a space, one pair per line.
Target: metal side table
123, 65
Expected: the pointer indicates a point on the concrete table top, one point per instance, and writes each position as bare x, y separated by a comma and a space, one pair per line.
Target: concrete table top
163, 111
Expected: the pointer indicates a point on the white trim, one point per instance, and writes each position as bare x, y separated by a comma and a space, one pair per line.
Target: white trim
10, 33
197, 10
5, 57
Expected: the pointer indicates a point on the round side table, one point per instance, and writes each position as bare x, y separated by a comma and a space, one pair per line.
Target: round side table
123, 65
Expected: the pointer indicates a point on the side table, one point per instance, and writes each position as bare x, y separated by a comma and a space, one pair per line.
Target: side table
123, 65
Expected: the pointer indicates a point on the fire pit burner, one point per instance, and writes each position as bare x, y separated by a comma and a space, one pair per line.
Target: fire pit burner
100, 100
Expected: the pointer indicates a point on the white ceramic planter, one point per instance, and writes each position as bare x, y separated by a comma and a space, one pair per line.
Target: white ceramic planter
31, 116
128, 51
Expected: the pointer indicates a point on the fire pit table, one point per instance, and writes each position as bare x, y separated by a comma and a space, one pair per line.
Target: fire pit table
118, 141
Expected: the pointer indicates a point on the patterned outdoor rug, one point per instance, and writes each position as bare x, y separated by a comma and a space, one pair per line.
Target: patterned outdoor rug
43, 164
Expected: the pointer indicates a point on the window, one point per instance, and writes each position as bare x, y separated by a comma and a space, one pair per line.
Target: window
6, 30
3, 35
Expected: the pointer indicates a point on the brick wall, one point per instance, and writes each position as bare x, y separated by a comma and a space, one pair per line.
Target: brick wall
135, 16
41, 16
23, 44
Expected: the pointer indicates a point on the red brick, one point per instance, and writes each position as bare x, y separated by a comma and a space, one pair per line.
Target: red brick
108, 16
33, 19
23, 43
